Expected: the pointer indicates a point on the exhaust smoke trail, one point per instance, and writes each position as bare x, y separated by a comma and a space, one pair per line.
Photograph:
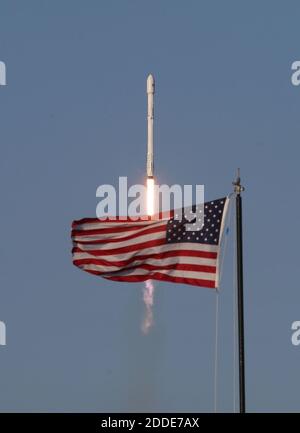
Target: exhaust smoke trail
148, 295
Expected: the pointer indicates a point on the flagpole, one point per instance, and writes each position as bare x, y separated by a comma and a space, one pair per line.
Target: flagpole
238, 189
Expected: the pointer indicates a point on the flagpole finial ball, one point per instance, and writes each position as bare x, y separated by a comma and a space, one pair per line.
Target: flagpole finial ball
238, 188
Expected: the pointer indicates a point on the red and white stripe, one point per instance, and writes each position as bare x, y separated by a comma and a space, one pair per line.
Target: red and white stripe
134, 251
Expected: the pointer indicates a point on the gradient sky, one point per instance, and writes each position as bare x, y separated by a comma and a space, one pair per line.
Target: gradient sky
73, 116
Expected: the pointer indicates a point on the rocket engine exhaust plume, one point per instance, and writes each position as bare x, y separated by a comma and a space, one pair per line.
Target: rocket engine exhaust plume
148, 291
148, 295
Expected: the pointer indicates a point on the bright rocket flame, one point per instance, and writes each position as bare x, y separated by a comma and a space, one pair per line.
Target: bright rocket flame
148, 295
148, 292
150, 196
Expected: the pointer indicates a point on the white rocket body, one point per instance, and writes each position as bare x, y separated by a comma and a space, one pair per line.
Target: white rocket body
150, 117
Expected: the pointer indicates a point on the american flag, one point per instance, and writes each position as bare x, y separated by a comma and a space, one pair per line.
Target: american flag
157, 249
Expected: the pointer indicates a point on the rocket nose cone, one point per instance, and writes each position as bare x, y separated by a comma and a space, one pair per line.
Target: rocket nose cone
150, 84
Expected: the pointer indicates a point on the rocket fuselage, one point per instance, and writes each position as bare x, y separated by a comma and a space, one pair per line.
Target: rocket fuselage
150, 117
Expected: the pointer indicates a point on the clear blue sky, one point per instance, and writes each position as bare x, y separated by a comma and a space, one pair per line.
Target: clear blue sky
72, 118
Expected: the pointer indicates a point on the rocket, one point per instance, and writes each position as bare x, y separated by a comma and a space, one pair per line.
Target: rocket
150, 117
150, 165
